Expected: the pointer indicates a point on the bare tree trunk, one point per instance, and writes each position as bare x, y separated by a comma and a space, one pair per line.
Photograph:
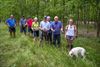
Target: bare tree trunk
54, 3
98, 18
63, 11
98, 29
38, 7
78, 19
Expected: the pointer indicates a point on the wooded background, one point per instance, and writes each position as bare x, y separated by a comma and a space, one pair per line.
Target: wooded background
85, 11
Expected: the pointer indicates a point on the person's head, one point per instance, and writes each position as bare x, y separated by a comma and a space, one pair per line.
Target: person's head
48, 18
23, 17
11, 16
71, 21
45, 18
35, 19
56, 19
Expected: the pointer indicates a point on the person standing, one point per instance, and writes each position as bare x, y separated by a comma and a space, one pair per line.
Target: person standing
29, 25
11, 23
35, 28
44, 27
49, 32
56, 28
23, 25
70, 33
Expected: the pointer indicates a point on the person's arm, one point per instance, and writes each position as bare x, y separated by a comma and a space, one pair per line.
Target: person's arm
7, 22
62, 27
25, 23
40, 26
15, 22
32, 26
75, 30
52, 28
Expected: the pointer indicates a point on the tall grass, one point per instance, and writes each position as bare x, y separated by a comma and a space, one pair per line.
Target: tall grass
23, 52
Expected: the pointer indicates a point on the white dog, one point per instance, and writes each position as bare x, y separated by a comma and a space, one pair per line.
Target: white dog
77, 51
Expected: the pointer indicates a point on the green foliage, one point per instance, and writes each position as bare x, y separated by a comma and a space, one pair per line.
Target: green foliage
70, 8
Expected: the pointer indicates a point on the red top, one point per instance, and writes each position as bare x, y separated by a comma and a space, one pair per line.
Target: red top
29, 22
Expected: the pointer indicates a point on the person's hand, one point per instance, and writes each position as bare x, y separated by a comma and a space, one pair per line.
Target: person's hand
36, 29
32, 28
62, 31
44, 29
41, 29
25, 25
53, 30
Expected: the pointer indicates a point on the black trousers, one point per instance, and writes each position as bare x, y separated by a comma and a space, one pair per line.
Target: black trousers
49, 37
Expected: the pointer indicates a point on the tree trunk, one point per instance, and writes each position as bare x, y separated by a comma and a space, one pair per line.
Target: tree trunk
98, 18
63, 11
98, 29
38, 8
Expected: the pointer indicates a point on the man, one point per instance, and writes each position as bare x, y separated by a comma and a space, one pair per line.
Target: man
56, 28
44, 27
29, 24
23, 25
11, 22
49, 32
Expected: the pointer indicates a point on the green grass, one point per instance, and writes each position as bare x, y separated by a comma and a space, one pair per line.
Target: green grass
23, 52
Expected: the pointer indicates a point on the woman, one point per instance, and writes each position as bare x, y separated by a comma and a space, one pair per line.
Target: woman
70, 33
35, 28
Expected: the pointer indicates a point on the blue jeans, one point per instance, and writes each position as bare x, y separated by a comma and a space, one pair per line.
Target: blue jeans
56, 39
22, 29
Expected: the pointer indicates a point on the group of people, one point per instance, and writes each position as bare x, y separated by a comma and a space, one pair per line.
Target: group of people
45, 30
